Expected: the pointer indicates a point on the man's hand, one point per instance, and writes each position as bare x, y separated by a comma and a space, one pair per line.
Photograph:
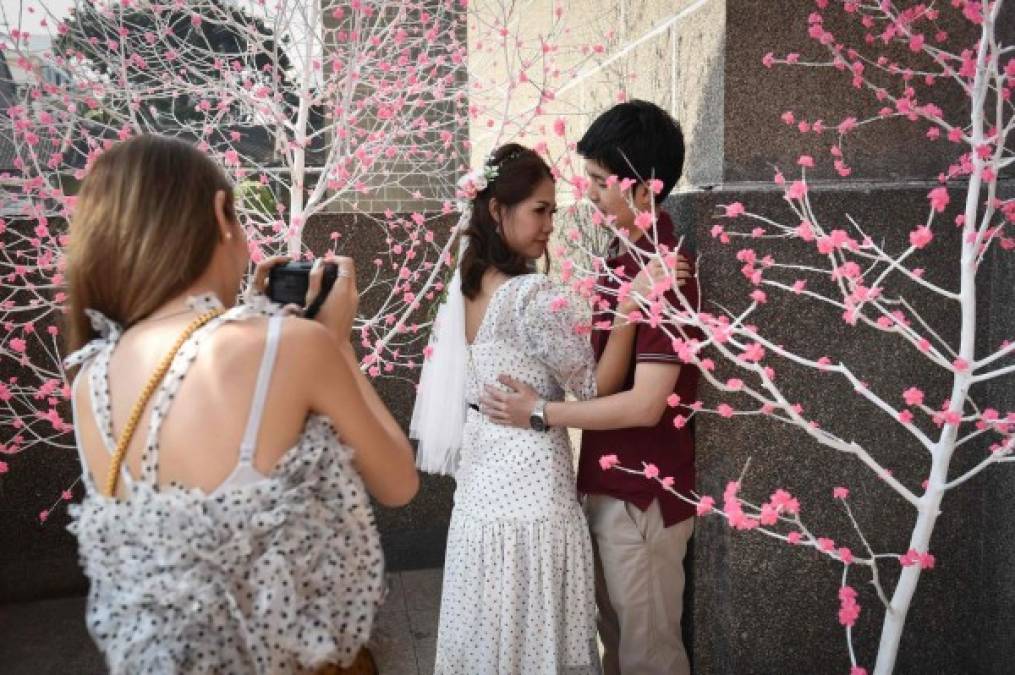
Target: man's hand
653, 280
512, 408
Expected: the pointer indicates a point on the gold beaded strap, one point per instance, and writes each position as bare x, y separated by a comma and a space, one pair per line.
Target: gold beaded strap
146, 394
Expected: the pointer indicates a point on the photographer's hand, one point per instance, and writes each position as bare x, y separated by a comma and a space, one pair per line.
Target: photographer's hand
339, 308
259, 284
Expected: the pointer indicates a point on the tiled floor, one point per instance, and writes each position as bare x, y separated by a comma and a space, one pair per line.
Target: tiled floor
406, 634
49, 636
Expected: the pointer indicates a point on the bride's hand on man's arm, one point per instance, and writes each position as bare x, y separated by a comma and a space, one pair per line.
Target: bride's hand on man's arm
512, 408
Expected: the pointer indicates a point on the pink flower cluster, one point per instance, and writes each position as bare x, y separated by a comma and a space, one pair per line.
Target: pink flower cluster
734, 511
849, 608
913, 557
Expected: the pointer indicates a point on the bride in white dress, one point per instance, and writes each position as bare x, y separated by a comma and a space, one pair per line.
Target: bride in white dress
518, 595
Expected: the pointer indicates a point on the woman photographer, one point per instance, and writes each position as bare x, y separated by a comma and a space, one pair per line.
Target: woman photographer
227, 452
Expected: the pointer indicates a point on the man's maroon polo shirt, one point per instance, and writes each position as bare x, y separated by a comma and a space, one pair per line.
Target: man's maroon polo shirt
669, 448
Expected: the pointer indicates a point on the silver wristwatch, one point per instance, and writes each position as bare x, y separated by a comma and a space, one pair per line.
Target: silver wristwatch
537, 420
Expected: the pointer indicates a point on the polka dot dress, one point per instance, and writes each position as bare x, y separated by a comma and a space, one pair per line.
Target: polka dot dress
278, 575
518, 595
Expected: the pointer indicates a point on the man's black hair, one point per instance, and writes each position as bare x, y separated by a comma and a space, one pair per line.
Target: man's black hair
637, 140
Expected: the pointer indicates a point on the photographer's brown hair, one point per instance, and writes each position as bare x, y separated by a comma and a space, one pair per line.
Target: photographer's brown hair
143, 230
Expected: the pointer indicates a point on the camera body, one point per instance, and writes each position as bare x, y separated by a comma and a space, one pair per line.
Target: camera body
288, 284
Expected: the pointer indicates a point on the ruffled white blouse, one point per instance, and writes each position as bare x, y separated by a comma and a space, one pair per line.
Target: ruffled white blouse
273, 575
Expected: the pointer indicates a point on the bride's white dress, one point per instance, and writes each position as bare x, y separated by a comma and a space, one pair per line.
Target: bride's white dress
518, 593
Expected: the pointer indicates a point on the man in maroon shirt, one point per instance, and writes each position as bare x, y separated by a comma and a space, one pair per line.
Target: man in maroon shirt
640, 532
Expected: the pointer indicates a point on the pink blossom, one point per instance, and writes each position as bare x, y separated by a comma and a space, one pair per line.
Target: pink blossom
973, 11
656, 186
793, 537
840, 493
679, 421
43, 516
735, 209
939, 198
735, 384
667, 482
784, 502
788, 117
846, 555
826, 544
846, 125
797, 190
906, 417
558, 304
921, 236
913, 557
913, 396
608, 462
754, 352
3, 467
18, 345
768, 60
849, 609
959, 364
857, 670
725, 410
643, 221
705, 506
759, 296
806, 161
805, 231
651, 470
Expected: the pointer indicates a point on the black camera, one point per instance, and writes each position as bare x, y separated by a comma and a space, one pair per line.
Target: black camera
288, 284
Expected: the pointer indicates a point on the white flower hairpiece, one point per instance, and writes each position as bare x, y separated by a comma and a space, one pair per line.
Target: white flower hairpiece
477, 180
474, 182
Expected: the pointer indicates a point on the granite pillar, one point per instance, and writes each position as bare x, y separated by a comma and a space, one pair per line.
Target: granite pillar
758, 606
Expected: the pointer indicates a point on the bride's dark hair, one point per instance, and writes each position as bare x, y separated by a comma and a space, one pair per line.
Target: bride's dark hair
519, 173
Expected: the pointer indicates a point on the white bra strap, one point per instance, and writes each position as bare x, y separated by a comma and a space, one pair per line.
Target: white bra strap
261, 391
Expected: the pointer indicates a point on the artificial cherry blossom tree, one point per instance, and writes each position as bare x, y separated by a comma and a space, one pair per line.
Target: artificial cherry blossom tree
312, 106
853, 269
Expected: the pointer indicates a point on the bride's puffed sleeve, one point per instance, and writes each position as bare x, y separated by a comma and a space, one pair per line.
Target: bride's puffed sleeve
555, 329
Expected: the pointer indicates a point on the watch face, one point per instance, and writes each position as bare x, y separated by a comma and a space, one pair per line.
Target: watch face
537, 423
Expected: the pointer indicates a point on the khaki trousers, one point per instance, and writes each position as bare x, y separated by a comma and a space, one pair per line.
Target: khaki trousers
639, 587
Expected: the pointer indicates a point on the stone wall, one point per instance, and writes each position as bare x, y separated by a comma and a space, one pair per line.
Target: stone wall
758, 606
